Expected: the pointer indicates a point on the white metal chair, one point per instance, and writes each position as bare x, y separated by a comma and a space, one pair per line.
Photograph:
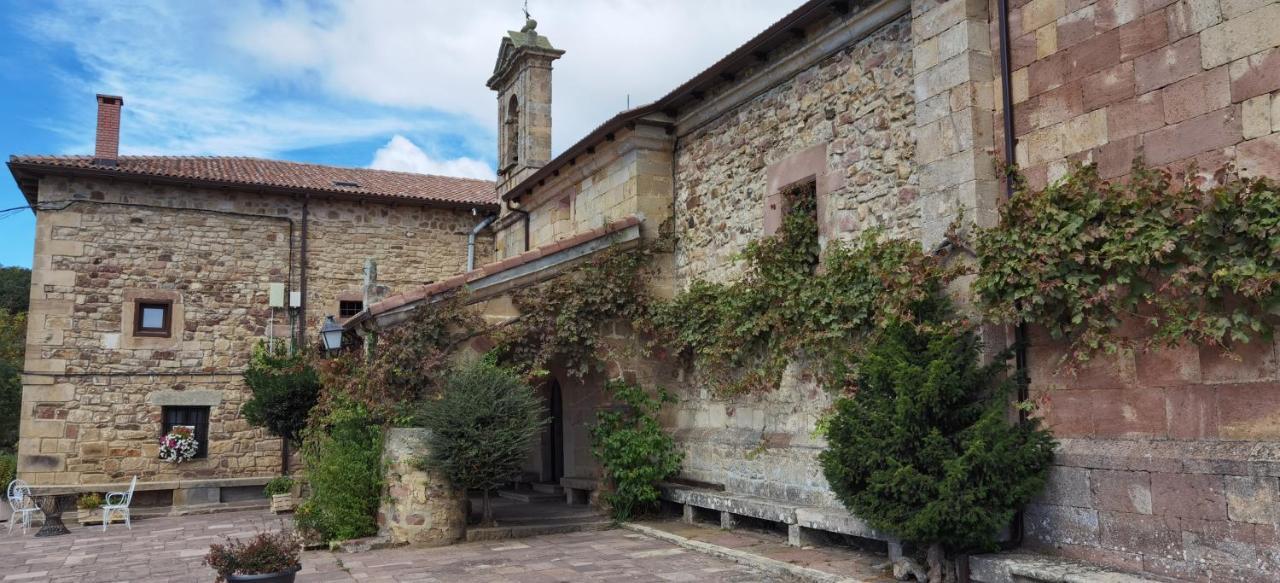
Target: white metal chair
22, 504
118, 502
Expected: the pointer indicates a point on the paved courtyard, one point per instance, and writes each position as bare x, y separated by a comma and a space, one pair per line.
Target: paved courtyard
171, 549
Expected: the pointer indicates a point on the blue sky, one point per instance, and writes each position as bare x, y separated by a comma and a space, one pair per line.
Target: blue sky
396, 84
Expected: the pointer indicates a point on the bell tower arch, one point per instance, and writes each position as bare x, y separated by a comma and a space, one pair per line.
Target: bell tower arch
522, 80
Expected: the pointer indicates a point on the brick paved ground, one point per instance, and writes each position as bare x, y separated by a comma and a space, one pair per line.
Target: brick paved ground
171, 548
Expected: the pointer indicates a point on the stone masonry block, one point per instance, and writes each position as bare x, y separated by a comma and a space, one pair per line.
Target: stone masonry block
1121, 491
1197, 95
1240, 37
944, 16
1261, 157
1256, 113
1038, 13
1234, 8
1108, 86
1067, 486
1138, 533
1048, 525
1167, 65
1189, 495
1255, 75
1211, 131
1116, 13
1143, 35
951, 73
1188, 17
1046, 40
1135, 116
1253, 499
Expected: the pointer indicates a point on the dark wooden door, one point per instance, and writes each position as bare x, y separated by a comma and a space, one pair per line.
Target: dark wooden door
553, 444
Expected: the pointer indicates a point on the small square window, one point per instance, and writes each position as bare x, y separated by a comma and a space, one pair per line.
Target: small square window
152, 318
348, 308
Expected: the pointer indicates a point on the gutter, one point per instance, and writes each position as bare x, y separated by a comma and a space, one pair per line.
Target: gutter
471, 240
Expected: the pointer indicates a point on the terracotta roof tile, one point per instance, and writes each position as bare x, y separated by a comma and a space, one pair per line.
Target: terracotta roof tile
251, 172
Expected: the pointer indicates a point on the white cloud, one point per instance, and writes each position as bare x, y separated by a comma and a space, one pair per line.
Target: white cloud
260, 77
405, 156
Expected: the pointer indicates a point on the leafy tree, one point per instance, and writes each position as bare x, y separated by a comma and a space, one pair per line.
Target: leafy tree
482, 426
342, 451
924, 450
285, 389
633, 448
13, 333
15, 289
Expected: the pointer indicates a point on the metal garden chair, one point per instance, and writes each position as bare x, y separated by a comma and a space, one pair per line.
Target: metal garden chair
118, 502
22, 504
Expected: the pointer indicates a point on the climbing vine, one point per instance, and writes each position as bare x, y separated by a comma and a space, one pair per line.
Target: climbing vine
565, 319
740, 336
1086, 259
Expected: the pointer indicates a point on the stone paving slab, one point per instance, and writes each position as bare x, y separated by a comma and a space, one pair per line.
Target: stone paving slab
171, 549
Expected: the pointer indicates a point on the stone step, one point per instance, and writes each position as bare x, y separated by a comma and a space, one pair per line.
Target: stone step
522, 531
548, 488
528, 496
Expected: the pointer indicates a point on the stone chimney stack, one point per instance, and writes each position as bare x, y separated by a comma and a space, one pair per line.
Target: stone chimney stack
106, 151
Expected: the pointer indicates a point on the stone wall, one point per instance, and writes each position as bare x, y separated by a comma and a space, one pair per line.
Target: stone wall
93, 394
846, 122
420, 507
1169, 459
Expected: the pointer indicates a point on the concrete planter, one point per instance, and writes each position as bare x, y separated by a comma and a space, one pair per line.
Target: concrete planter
281, 503
88, 517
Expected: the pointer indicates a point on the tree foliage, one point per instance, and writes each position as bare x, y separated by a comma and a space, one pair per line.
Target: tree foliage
13, 333
342, 450
634, 449
925, 450
1084, 257
15, 289
482, 424
285, 387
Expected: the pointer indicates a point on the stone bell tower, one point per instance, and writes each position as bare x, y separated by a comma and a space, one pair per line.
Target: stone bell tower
522, 78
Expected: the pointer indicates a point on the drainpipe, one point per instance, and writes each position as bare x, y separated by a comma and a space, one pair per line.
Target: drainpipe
302, 283
471, 240
1010, 143
526, 221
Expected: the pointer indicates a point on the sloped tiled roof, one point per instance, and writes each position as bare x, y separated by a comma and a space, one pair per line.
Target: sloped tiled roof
274, 175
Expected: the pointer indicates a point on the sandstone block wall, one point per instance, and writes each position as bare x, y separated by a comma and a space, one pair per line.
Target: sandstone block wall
419, 508
93, 392
1167, 459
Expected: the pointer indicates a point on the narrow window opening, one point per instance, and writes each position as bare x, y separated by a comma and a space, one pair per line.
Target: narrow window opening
800, 222
348, 308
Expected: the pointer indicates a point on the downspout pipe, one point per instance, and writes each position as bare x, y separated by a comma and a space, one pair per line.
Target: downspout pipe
1010, 161
471, 240
507, 203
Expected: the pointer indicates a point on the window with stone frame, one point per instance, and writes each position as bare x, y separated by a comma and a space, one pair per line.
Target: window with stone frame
153, 318
197, 418
798, 204
349, 308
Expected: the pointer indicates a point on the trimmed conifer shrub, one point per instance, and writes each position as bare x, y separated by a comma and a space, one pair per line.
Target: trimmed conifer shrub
925, 450
482, 427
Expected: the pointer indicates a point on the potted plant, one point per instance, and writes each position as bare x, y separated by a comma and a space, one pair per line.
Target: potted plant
280, 491
89, 509
269, 557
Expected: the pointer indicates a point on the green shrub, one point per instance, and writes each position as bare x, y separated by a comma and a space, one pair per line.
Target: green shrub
268, 552
285, 388
13, 333
91, 501
924, 450
8, 469
634, 450
342, 453
482, 426
278, 485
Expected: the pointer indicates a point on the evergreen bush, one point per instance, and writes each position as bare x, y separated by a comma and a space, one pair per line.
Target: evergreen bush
633, 448
925, 450
8, 469
482, 425
285, 388
342, 452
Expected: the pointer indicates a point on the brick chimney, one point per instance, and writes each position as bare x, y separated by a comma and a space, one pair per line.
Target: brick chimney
106, 151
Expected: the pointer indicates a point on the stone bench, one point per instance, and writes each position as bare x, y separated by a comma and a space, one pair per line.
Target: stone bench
803, 522
580, 490
1023, 567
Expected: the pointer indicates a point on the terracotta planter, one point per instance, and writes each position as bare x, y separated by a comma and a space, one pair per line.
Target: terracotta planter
282, 503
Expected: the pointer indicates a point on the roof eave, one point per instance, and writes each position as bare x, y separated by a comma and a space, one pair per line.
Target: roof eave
37, 170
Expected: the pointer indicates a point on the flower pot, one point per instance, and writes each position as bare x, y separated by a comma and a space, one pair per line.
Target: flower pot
282, 503
281, 577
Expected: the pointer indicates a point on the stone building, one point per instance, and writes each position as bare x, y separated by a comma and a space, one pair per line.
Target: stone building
154, 277
893, 112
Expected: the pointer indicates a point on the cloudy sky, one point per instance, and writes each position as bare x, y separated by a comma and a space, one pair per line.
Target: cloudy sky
395, 84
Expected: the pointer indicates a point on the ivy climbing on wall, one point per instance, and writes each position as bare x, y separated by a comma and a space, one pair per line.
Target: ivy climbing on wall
1089, 259
795, 301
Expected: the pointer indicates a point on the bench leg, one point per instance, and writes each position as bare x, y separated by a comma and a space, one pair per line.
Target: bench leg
688, 516
799, 536
895, 549
727, 520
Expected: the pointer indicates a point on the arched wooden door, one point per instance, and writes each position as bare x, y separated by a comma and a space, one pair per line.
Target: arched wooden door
553, 438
